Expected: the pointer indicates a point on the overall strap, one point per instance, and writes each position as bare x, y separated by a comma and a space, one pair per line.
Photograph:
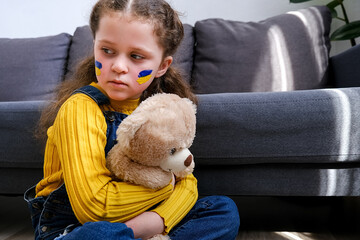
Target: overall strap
113, 119
94, 93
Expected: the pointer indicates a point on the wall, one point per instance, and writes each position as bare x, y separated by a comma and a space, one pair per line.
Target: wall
22, 18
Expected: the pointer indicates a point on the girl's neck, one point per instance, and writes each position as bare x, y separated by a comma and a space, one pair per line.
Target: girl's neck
126, 106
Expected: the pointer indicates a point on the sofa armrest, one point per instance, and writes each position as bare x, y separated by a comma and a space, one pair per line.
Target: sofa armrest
18, 147
309, 126
345, 68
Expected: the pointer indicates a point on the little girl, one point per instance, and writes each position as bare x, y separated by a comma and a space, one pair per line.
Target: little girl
134, 41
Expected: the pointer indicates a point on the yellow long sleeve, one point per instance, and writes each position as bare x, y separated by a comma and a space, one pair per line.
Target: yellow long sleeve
175, 208
75, 156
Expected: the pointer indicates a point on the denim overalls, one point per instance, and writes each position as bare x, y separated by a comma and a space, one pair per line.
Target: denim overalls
52, 215
212, 217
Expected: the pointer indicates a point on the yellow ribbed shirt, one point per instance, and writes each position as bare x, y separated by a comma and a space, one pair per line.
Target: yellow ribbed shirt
75, 155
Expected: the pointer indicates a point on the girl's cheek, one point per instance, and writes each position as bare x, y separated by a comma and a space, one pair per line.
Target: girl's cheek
98, 67
144, 76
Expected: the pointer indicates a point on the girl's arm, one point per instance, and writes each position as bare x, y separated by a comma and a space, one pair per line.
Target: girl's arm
78, 141
146, 225
172, 210
183, 198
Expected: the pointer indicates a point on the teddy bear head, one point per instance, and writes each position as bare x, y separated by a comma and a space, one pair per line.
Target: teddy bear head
159, 133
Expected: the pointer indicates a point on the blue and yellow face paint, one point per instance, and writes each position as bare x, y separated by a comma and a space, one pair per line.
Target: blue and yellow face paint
144, 76
98, 66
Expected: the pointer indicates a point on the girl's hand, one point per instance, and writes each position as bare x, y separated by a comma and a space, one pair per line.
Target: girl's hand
146, 225
173, 181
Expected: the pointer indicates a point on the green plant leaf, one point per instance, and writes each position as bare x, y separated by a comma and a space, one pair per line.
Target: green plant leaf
299, 1
347, 32
332, 5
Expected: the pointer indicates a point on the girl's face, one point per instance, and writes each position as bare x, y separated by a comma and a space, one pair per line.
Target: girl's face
127, 56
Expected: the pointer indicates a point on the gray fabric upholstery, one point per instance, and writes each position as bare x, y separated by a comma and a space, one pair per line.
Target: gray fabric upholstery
183, 58
18, 146
81, 47
15, 181
282, 53
344, 72
32, 67
313, 126
279, 179
21, 155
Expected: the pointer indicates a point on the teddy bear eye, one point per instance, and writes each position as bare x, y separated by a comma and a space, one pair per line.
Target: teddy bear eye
172, 151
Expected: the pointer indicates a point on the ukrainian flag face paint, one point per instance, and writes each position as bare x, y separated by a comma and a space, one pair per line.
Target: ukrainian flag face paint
144, 76
98, 66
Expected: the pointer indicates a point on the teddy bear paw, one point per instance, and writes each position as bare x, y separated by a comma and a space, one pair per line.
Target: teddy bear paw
160, 237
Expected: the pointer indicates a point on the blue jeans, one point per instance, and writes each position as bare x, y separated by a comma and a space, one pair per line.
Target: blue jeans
213, 217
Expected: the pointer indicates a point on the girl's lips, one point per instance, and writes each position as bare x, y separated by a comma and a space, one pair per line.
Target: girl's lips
118, 83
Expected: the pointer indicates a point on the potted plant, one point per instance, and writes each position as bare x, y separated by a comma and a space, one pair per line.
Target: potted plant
349, 31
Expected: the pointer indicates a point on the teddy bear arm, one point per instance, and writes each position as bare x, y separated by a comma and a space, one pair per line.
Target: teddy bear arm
150, 177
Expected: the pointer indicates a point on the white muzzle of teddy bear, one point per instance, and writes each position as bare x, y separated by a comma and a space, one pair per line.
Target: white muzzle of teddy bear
178, 161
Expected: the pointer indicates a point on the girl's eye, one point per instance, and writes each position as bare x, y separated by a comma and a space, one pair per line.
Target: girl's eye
173, 151
107, 51
136, 57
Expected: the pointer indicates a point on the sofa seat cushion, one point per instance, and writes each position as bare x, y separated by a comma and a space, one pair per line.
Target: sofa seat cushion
283, 53
31, 68
280, 180
309, 126
18, 146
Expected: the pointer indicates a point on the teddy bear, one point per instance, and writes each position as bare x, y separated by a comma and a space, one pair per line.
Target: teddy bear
153, 142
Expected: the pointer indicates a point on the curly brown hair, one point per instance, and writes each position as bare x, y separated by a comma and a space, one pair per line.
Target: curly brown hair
167, 27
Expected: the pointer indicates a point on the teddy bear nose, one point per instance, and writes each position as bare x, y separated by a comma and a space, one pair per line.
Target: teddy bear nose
188, 161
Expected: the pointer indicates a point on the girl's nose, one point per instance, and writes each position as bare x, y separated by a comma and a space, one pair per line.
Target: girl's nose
119, 65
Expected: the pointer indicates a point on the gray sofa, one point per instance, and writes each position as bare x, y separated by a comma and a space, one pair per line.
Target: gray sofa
276, 117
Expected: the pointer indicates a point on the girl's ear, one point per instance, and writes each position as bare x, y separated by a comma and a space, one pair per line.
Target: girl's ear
164, 66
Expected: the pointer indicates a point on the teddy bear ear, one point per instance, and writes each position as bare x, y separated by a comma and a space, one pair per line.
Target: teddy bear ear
128, 128
189, 104
189, 109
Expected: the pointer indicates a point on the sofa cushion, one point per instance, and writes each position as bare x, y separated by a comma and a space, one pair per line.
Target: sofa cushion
319, 126
344, 72
18, 146
82, 46
183, 58
30, 68
282, 53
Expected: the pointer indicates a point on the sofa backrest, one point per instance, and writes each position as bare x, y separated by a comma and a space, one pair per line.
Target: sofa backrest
31, 68
283, 53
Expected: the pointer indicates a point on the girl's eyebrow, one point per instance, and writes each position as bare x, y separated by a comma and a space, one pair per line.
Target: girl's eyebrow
106, 41
135, 48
